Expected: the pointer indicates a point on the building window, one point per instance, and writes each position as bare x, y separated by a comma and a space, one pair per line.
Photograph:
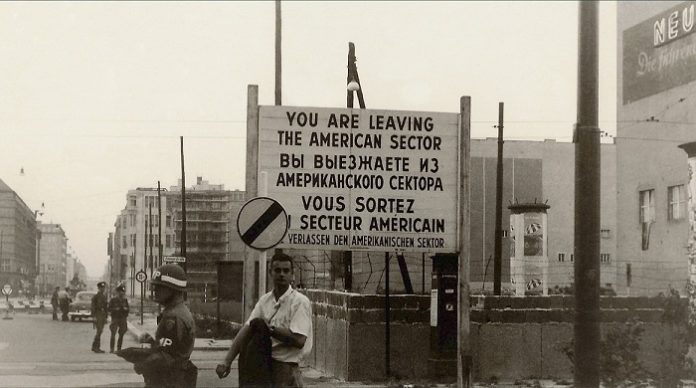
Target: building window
132, 201
647, 206
169, 241
169, 221
124, 242
647, 216
604, 258
572, 257
561, 257
605, 233
676, 202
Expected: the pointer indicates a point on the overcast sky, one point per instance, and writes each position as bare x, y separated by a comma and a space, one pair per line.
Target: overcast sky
94, 96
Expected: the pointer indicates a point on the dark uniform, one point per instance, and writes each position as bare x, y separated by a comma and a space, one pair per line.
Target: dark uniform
99, 309
170, 364
54, 304
118, 307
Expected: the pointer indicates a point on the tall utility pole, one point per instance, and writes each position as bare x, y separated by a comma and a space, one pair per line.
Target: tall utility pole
159, 225
151, 240
278, 61
498, 260
587, 202
183, 205
464, 357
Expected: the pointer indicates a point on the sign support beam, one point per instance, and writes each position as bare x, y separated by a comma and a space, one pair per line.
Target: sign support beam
251, 188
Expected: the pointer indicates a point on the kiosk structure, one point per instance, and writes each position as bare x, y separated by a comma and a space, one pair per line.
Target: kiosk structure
529, 260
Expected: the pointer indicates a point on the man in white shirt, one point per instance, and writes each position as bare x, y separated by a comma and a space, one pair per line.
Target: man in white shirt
288, 315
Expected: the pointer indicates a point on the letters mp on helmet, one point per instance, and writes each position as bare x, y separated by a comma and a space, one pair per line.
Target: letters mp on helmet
170, 275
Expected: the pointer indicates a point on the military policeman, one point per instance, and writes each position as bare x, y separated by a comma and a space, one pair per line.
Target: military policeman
118, 307
169, 365
99, 308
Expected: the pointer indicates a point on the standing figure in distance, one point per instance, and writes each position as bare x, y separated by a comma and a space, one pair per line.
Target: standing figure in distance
169, 364
64, 301
285, 315
118, 307
99, 312
54, 303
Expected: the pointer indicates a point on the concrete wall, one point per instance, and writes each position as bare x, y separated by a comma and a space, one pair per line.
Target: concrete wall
349, 334
510, 337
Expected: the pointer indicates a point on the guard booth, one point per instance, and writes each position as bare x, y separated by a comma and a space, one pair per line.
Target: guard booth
529, 261
443, 316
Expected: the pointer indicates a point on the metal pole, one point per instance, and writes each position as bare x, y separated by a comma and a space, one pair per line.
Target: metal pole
142, 296
183, 205
142, 286
498, 261
278, 61
150, 242
423, 273
587, 203
263, 191
132, 273
387, 324
159, 224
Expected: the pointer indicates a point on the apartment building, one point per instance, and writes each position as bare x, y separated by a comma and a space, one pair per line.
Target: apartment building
655, 113
53, 256
18, 241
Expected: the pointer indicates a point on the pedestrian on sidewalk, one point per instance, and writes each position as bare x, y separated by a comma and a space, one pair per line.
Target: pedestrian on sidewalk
54, 303
99, 309
118, 307
170, 364
64, 302
284, 315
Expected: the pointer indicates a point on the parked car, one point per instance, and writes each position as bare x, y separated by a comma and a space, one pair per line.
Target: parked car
81, 307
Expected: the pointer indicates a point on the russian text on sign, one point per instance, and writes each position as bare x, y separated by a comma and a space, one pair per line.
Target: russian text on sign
363, 179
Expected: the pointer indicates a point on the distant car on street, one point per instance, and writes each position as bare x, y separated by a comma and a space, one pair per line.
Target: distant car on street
81, 307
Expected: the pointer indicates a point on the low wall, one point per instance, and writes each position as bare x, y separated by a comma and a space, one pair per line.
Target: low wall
349, 334
510, 337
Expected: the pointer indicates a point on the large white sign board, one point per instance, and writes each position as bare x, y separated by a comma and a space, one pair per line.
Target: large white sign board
356, 179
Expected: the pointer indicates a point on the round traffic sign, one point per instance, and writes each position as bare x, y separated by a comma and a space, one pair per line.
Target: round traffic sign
262, 223
141, 276
7, 289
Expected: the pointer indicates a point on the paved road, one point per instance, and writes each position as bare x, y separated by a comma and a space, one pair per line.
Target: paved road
36, 351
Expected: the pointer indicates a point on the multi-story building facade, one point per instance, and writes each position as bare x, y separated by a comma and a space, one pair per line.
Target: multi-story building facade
53, 256
656, 112
18, 240
132, 251
211, 212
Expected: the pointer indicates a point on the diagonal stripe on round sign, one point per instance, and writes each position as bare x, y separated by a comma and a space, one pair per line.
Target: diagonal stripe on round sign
262, 223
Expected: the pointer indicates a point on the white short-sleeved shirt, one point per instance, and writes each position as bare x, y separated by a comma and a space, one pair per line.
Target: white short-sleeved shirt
292, 311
